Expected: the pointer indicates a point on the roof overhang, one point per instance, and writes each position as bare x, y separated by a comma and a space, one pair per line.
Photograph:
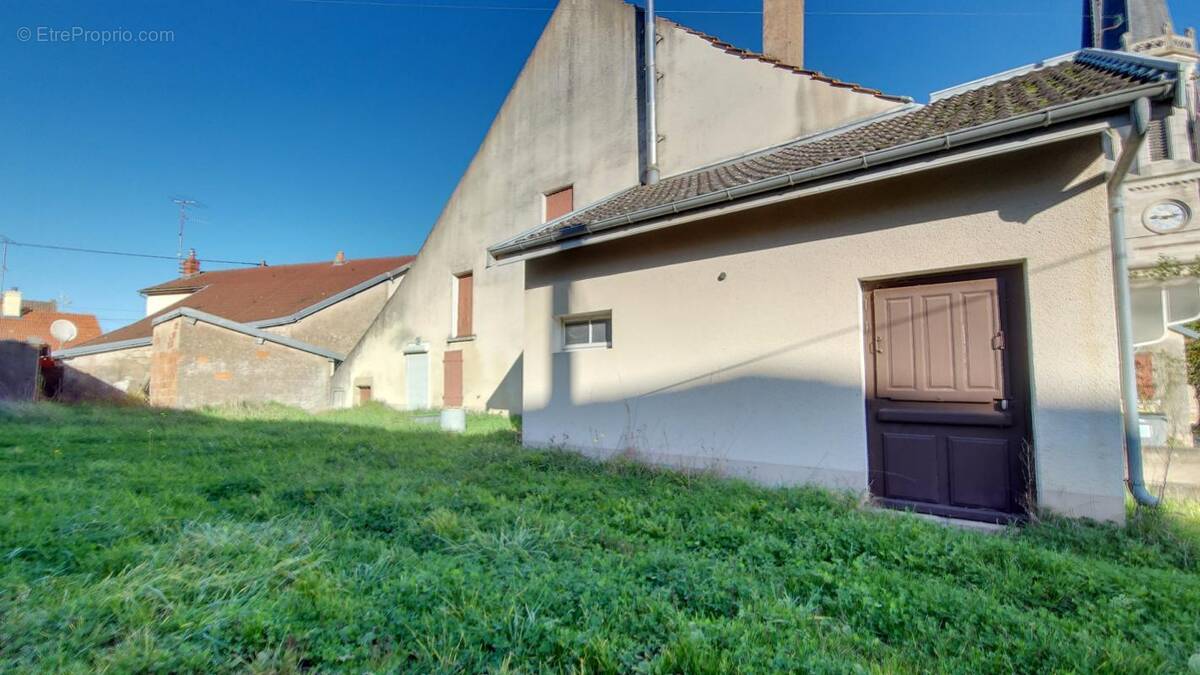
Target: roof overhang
174, 290
1030, 129
333, 299
85, 350
916, 165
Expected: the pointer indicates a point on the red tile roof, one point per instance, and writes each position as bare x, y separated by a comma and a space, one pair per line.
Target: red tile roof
258, 293
34, 326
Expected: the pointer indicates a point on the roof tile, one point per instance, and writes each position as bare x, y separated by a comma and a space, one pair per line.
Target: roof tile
258, 293
1028, 92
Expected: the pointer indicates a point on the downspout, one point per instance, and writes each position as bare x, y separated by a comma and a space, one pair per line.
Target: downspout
651, 36
1140, 116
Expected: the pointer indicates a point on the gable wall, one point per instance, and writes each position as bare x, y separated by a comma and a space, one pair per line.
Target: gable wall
339, 326
199, 364
714, 106
572, 119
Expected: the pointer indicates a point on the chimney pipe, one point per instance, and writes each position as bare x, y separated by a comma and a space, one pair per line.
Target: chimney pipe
651, 37
190, 266
783, 31
340, 258
11, 306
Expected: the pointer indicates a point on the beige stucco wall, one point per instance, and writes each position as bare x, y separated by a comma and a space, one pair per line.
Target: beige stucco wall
106, 375
762, 374
571, 118
714, 106
157, 303
199, 364
339, 327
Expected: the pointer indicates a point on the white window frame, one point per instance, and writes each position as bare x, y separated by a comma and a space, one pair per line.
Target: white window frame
590, 318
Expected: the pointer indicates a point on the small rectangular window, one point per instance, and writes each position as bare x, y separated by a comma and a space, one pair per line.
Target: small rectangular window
364, 395
559, 203
590, 332
463, 307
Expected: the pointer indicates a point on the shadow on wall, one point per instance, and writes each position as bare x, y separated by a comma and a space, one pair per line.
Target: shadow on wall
508, 394
789, 431
792, 427
794, 404
18, 371
78, 387
906, 201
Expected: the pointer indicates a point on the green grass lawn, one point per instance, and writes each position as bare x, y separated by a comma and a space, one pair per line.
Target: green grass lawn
268, 540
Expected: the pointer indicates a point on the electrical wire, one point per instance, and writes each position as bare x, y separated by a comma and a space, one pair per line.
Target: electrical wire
526, 8
76, 249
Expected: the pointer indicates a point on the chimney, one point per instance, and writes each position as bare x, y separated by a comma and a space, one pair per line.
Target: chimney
12, 303
783, 31
340, 258
190, 266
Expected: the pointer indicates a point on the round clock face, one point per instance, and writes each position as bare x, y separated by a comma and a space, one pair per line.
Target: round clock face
1168, 216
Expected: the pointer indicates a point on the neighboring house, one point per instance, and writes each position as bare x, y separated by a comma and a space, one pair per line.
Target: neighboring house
240, 335
572, 132
924, 304
29, 321
25, 334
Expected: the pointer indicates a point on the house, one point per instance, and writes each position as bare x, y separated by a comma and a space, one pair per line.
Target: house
571, 132
266, 333
930, 302
27, 333
29, 321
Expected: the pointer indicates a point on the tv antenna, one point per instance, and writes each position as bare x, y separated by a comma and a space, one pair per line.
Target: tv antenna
184, 204
4, 241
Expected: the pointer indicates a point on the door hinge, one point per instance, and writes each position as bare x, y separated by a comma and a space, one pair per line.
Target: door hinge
878, 346
998, 340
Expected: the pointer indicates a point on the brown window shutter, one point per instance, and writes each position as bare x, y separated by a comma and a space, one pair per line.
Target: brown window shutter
364, 394
466, 304
560, 203
452, 385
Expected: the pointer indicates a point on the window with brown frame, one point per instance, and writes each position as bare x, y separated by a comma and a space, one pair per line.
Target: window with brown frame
464, 304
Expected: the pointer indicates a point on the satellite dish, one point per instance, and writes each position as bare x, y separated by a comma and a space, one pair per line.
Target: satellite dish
63, 330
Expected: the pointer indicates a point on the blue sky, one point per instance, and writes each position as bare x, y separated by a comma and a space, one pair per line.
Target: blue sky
308, 127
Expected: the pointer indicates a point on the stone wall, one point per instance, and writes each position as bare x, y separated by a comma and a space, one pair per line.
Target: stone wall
198, 364
116, 375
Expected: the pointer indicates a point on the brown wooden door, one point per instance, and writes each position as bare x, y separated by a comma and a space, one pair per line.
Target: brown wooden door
452, 379
947, 395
